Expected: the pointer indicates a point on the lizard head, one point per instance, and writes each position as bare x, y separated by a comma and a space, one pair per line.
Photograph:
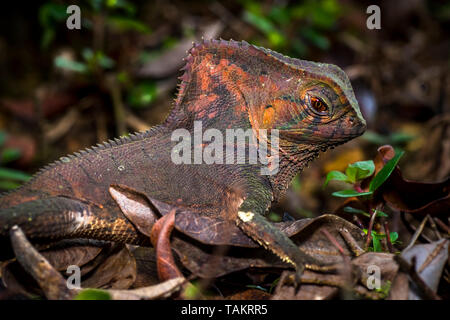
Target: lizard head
311, 104
229, 84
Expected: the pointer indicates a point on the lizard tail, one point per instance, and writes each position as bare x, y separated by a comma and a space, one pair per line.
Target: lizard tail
56, 218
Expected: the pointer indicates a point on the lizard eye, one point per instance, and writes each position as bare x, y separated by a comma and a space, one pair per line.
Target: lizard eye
318, 106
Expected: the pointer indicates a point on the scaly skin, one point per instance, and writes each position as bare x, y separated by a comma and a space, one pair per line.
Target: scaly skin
225, 85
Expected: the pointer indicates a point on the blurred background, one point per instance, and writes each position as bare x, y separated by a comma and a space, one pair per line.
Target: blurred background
63, 90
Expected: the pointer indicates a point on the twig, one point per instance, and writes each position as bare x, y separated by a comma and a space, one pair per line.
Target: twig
346, 273
431, 256
433, 226
411, 270
411, 227
369, 229
348, 238
416, 234
160, 290
333, 241
358, 222
388, 237
442, 225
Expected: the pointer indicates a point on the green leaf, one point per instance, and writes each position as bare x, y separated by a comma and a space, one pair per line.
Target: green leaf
260, 22
376, 242
128, 24
350, 193
380, 213
276, 38
385, 172
393, 236
8, 185
280, 15
334, 175
316, 38
353, 210
360, 170
50, 13
93, 294
104, 61
64, 63
87, 54
11, 174
142, 95
97, 58
9, 155
192, 291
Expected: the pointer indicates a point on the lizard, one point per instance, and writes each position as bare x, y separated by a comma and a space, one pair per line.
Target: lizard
225, 84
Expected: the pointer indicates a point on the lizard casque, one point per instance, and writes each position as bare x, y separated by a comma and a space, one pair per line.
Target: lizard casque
226, 84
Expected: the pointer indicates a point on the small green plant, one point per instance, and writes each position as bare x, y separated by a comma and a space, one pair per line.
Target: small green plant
377, 237
355, 174
358, 171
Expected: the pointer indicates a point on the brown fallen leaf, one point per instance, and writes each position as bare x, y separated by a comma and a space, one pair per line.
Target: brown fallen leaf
417, 198
208, 261
160, 235
118, 271
146, 274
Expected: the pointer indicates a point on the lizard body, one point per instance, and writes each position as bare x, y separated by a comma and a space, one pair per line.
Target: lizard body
226, 84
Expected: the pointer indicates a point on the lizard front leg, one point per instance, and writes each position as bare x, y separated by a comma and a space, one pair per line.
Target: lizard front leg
257, 227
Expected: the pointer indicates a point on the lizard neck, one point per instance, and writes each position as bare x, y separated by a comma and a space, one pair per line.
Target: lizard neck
292, 161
